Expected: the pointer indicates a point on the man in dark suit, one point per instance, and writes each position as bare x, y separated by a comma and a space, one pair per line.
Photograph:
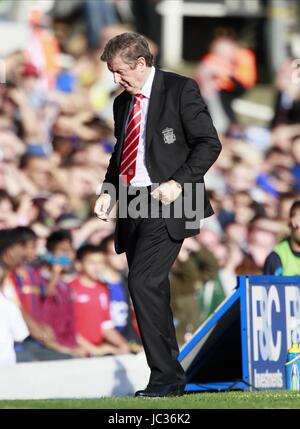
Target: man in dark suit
166, 142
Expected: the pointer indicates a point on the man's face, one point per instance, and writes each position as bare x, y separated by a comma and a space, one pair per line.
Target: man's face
39, 171
30, 250
56, 205
64, 248
93, 265
14, 256
295, 226
130, 77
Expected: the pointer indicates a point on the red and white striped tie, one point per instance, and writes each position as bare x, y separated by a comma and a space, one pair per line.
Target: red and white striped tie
130, 148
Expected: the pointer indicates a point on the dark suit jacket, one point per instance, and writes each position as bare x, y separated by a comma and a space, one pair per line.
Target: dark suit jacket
176, 104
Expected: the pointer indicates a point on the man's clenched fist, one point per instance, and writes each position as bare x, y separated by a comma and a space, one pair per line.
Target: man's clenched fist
167, 192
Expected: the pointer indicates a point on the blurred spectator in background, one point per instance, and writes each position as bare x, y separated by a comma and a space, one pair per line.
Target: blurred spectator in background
275, 176
262, 236
114, 276
26, 292
29, 83
43, 49
194, 265
52, 206
93, 15
6, 209
27, 289
99, 14
236, 233
202, 277
30, 287
284, 260
287, 104
12, 326
223, 283
295, 170
38, 169
60, 244
94, 326
286, 200
224, 74
147, 20
57, 269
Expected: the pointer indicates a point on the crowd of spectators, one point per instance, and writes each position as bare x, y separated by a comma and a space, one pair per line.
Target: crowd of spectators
63, 288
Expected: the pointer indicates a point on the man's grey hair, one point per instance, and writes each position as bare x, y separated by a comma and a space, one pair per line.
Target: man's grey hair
130, 47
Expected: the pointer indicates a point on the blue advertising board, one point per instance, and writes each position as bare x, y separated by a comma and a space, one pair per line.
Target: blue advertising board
243, 344
273, 325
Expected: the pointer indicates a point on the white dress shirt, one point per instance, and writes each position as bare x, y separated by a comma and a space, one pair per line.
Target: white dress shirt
142, 177
12, 328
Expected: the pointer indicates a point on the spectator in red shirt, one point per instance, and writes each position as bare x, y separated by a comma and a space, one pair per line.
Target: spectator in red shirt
58, 308
27, 280
95, 329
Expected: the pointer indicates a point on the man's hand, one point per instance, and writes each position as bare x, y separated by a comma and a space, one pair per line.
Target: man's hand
43, 333
101, 207
167, 192
79, 352
124, 349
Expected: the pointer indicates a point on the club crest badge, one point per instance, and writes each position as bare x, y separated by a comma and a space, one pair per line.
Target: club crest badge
169, 135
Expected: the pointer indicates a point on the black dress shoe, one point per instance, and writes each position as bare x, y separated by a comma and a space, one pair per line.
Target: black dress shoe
161, 390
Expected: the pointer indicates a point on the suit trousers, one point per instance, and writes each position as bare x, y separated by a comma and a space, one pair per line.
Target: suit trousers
150, 253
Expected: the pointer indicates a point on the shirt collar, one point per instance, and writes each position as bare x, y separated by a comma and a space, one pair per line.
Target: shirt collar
146, 90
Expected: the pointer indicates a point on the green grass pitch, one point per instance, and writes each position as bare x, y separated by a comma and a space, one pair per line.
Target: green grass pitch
223, 400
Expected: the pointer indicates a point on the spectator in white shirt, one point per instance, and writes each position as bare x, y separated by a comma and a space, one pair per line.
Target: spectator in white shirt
12, 327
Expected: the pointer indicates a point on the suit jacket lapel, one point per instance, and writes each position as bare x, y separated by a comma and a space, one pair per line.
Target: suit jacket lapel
123, 115
155, 105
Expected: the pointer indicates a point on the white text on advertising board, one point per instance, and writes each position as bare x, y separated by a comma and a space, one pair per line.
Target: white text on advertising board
266, 305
